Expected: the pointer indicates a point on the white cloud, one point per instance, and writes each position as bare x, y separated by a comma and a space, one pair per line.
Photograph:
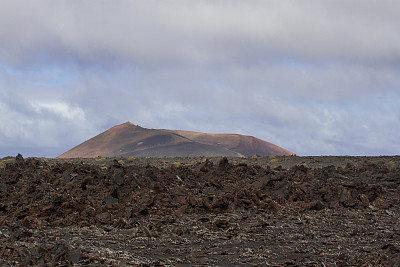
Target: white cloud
61, 109
28, 127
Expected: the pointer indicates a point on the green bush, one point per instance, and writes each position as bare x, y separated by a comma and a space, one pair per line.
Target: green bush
177, 164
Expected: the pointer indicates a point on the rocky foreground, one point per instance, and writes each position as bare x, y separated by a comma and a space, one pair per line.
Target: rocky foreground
59, 213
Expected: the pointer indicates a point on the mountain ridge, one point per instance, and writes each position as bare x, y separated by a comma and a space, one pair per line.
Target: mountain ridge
128, 139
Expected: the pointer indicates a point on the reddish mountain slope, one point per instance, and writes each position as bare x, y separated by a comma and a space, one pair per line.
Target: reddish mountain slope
127, 139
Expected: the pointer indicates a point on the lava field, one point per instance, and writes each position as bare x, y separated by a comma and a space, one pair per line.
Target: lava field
204, 212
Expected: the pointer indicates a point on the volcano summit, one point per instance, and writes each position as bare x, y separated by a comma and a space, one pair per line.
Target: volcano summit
127, 140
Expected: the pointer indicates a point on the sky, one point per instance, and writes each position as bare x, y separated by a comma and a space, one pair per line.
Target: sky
314, 77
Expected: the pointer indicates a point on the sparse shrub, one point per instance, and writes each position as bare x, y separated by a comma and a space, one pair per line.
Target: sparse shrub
273, 160
177, 164
131, 158
348, 160
254, 156
5, 160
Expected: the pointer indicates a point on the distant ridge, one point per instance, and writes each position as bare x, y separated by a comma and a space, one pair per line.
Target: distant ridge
127, 140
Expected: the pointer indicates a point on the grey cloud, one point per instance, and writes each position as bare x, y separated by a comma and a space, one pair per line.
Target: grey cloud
316, 77
201, 32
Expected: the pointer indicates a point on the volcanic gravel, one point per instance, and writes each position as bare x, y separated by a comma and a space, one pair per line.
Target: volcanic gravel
314, 211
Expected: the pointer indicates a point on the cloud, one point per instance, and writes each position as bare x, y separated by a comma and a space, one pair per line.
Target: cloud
159, 33
60, 109
316, 77
27, 125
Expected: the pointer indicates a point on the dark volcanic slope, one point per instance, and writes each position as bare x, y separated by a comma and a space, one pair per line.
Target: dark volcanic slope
184, 149
131, 140
245, 145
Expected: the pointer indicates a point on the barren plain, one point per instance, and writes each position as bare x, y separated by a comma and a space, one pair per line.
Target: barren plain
261, 211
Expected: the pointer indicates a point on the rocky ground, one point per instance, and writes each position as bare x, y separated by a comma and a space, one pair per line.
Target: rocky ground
272, 211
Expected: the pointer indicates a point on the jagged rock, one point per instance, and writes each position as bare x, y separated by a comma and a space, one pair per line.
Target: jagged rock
75, 255
19, 159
